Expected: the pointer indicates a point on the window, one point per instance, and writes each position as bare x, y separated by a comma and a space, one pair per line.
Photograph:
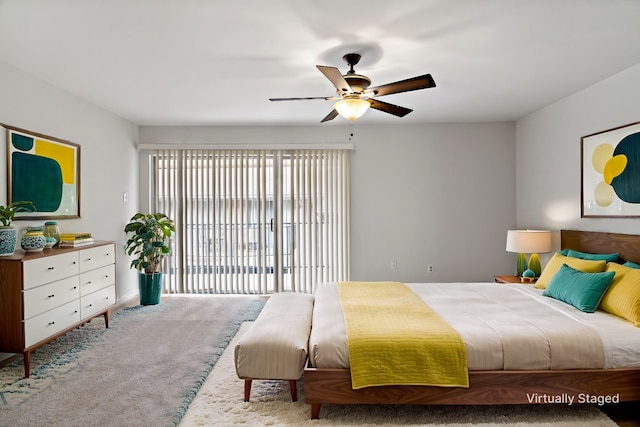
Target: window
254, 221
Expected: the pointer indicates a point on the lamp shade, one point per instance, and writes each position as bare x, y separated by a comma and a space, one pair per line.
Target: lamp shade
351, 108
529, 241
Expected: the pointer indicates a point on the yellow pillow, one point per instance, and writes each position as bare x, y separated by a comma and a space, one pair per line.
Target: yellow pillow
623, 296
554, 264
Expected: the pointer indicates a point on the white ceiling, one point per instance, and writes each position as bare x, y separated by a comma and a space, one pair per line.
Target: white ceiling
206, 62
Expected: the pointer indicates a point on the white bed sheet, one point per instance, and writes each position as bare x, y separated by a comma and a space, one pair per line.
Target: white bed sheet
476, 311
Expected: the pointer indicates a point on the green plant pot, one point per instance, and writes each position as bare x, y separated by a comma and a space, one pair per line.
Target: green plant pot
8, 239
150, 286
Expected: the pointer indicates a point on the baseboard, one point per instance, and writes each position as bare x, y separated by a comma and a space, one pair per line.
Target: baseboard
126, 302
6, 358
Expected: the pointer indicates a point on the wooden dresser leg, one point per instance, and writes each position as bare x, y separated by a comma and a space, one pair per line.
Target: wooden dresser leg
247, 390
315, 411
27, 363
106, 319
294, 390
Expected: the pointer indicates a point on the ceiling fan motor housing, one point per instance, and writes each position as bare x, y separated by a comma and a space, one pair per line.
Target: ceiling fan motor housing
358, 83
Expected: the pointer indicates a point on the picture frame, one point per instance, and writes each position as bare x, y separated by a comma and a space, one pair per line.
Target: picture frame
610, 173
44, 170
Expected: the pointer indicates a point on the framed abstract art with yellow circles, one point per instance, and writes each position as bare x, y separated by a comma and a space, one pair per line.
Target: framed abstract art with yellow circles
611, 173
43, 170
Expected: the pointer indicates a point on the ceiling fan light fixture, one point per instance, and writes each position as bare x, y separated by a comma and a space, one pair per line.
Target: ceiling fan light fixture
351, 108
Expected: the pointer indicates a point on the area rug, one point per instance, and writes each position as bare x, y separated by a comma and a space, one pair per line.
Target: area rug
220, 403
142, 371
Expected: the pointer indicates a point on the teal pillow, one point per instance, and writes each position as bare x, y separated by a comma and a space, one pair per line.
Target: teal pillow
631, 264
564, 252
593, 257
582, 290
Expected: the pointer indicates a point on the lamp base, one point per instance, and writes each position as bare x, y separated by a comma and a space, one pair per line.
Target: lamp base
521, 264
534, 265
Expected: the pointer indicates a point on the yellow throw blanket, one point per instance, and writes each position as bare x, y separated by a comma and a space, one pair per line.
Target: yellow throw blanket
395, 338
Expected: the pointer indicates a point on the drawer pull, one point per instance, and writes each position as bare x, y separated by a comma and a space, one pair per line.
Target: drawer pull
51, 268
90, 305
75, 311
52, 323
88, 259
51, 296
75, 287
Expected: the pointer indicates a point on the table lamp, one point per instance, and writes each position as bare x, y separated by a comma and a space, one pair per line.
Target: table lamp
532, 242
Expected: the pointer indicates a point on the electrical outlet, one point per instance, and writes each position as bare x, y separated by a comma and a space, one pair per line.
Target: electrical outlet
430, 268
394, 265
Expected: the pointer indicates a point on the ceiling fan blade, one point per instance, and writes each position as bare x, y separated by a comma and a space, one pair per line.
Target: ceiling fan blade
415, 83
302, 99
396, 110
332, 115
333, 74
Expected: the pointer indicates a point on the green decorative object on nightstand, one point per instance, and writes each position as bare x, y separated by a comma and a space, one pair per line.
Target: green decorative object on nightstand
534, 265
521, 264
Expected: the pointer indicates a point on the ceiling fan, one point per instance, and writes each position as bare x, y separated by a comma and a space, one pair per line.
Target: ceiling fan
355, 96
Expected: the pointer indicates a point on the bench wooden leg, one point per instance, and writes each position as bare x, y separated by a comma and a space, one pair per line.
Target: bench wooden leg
247, 390
294, 390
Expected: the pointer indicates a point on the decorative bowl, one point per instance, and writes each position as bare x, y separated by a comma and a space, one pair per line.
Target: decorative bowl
33, 241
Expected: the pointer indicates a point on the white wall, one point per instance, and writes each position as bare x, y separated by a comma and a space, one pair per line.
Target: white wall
440, 194
108, 158
548, 154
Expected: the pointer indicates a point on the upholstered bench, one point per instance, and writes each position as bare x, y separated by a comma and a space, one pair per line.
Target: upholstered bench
275, 346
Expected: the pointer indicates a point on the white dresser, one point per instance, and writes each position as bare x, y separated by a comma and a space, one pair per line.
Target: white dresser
47, 294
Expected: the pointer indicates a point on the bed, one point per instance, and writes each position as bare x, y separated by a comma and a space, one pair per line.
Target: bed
327, 378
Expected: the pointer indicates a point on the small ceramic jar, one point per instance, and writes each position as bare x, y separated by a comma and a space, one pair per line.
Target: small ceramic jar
33, 241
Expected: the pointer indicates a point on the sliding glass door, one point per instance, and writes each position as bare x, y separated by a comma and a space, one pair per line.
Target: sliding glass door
254, 221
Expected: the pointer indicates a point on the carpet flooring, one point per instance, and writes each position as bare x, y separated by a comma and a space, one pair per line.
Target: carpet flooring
142, 371
220, 403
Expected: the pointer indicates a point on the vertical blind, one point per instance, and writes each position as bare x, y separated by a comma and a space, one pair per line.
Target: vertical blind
254, 221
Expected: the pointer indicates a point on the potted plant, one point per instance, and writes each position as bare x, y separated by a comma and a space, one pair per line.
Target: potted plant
8, 234
147, 243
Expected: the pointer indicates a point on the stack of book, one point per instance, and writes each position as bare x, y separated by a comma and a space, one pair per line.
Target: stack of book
75, 239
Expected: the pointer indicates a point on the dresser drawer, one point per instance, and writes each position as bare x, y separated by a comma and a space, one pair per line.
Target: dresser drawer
49, 269
97, 301
100, 256
94, 280
46, 297
48, 323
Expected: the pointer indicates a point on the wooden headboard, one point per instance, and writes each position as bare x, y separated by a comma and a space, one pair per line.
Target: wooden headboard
627, 245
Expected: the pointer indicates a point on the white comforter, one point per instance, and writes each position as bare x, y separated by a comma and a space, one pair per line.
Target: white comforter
504, 326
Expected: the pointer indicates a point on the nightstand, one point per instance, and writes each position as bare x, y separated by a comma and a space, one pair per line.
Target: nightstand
508, 279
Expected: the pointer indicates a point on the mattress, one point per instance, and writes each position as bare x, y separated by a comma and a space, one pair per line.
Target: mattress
504, 326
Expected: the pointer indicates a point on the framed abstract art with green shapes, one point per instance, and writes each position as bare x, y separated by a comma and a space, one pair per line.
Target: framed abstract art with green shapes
44, 170
611, 173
